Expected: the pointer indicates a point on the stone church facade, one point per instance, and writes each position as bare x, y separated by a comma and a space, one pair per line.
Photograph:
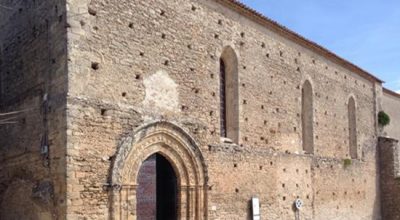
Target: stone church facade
111, 101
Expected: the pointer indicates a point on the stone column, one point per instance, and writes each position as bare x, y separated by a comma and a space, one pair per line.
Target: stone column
200, 201
378, 94
116, 206
132, 202
128, 202
192, 202
183, 202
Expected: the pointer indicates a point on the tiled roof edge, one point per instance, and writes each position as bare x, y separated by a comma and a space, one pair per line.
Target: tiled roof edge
390, 92
291, 35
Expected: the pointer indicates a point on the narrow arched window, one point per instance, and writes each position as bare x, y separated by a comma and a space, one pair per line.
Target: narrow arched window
352, 128
307, 117
222, 91
229, 95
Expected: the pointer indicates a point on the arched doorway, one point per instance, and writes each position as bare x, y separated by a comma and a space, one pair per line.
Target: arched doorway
157, 192
179, 152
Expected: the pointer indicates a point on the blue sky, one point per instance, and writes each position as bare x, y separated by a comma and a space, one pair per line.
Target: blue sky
365, 32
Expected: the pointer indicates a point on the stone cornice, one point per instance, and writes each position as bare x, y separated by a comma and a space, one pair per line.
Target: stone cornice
390, 92
293, 36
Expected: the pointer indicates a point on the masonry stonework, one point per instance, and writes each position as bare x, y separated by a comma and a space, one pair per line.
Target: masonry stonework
33, 88
130, 79
391, 105
389, 150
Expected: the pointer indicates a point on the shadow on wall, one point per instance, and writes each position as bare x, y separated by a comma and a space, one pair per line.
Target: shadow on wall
389, 162
33, 66
22, 203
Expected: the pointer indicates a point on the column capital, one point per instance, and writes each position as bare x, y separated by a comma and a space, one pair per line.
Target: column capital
129, 187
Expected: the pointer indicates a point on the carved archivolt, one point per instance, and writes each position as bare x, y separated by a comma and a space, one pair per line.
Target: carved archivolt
179, 149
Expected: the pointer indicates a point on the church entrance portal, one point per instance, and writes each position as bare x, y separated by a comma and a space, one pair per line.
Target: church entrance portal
157, 190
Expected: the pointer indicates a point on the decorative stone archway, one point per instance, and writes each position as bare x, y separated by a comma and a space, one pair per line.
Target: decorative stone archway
180, 150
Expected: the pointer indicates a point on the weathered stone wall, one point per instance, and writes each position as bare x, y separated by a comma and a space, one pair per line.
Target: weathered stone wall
389, 152
32, 67
391, 105
133, 62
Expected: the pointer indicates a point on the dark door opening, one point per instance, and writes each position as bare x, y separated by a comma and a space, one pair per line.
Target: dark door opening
166, 190
157, 191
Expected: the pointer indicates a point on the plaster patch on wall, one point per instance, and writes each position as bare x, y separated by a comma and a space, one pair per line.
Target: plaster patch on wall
161, 92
